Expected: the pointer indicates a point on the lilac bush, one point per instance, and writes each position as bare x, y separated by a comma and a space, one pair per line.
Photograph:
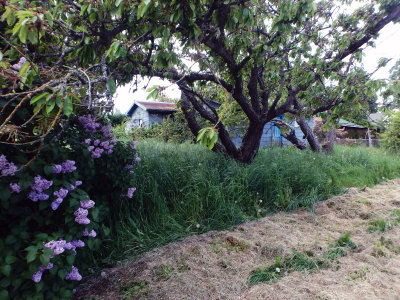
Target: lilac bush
51, 226
7, 168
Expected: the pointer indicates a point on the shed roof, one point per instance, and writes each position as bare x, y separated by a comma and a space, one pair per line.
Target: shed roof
345, 123
153, 106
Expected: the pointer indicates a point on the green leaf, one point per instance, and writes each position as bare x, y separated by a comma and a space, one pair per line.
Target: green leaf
92, 17
1, 56
83, 9
153, 94
6, 270
44, 259
4, 295
71, 259
23, 33
24, 69
111, 85
118, 2
5, 282
49, 18
62, 273
68, 107
11, 259
31, 256
32, 37
38, 97
50, 106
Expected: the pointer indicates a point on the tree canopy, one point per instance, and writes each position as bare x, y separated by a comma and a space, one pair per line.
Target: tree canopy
264, 58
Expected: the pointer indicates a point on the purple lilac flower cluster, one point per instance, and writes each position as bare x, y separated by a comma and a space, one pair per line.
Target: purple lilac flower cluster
6, 167
106, 130
99, 147
60, 194
38, 186
92, 233
15, 188
136, 159
130, 192
89, 124
66, 167
74, 186
133, 145
81, 214
18, 65
73, 274
36, 277
60, 246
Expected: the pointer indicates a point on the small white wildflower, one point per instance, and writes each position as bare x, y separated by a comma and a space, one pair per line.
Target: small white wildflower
199, 164
278, 270
260, 201
182, 202
314, 158
383, 178
259, 210
103, 274
235, 202
197, 225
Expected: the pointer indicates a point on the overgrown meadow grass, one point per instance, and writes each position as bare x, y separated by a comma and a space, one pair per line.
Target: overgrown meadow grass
186, 189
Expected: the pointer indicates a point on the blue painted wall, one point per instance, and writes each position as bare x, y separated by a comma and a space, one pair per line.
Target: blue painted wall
272, 136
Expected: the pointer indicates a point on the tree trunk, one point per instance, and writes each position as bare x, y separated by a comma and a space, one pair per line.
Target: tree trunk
251, 142
369, 138
308, 134
330, 140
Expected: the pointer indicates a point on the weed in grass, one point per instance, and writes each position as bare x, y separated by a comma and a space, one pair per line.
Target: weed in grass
215, 248
163, 272
338, 249
364, 201
377, 225
345, 241
383, 248
135, 290
335, 253
358, 274
183, 266
296, 262
396, 216
236, 244
242, 230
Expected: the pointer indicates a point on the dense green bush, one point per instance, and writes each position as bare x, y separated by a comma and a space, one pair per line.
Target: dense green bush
49, 225
173, 129
391, 136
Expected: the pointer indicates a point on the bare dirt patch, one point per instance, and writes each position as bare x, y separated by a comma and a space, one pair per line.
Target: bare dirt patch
218, 264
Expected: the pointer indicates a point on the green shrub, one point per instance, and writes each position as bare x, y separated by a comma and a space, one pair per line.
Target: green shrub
173, 129
43, 220
391, 136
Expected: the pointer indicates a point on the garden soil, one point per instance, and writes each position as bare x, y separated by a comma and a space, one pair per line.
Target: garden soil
217, 264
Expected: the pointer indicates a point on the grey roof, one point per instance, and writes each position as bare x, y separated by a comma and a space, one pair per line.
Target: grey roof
154, 106
345, 123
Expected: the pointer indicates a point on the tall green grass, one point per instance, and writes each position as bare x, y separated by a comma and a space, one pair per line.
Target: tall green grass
186, 189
